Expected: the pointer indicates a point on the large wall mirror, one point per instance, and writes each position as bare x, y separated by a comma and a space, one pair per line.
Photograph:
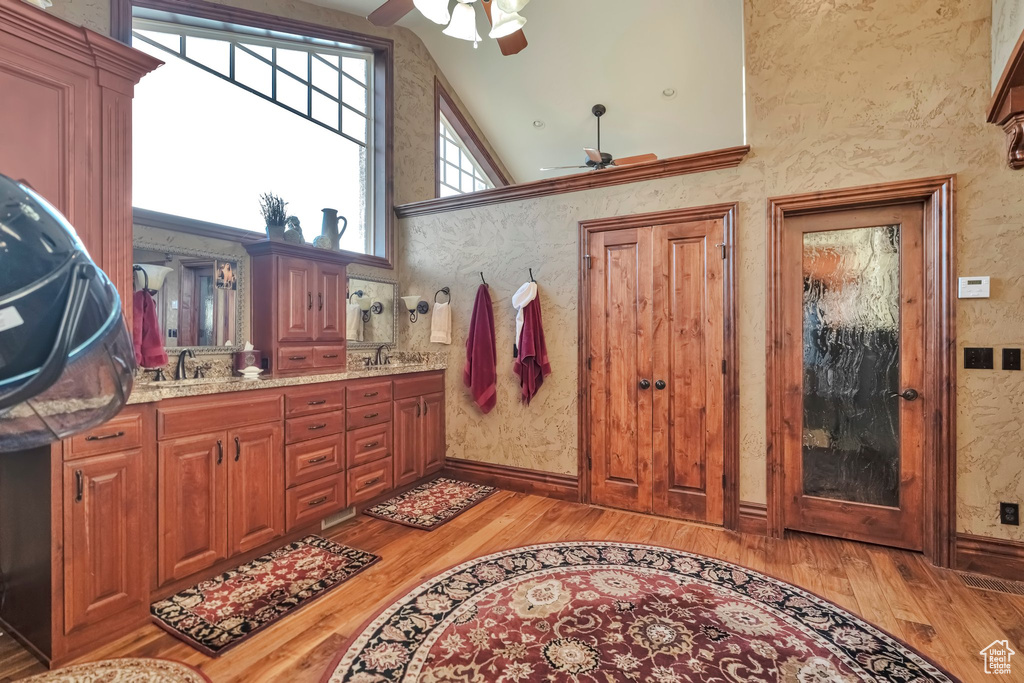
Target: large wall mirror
372, 317
199, 295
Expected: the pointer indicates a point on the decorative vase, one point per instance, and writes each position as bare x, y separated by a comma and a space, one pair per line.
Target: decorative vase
275, 233
330, 228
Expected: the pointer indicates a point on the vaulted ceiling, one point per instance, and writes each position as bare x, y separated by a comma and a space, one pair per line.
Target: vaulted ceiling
623, 54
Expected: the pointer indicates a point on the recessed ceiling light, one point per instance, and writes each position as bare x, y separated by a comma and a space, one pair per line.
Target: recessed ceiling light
538, 124
668, 93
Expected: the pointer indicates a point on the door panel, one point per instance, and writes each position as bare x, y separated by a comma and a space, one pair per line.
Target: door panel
620, 356
433, 433
688, 444
191, 499
102, 534
295, 317
408, 446
853, 456
330, 303
255, 486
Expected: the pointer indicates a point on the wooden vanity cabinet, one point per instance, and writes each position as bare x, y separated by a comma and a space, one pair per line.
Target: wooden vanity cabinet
419, 425
298, 313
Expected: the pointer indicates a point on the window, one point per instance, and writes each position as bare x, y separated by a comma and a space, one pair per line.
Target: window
237, 111
463, 162
459, 172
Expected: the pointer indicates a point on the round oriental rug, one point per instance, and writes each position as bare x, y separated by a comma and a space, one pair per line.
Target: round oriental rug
123, 671
596, 612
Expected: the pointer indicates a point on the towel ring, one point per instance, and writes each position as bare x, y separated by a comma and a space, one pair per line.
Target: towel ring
443, 290
358, 293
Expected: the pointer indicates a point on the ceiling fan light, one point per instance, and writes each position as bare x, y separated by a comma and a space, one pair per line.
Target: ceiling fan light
505, 23
511, 6
463, 24
435, 10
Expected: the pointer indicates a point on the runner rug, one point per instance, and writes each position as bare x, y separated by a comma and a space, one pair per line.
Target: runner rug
432, 504
215, 615
594, 612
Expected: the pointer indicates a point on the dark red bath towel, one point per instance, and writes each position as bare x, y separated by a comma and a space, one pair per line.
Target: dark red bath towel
481, 371
532, 365
146, 332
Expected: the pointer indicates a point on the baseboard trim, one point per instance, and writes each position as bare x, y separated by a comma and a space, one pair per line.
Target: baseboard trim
753, 518
992, 556
561, 486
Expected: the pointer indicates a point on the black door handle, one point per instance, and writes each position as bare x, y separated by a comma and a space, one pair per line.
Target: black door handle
320, 301
645, 384
309, 298
906, 395
238, 449
220, 451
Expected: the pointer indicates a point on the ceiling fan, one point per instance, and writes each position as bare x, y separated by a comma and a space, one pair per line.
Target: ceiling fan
393, 10
598, 160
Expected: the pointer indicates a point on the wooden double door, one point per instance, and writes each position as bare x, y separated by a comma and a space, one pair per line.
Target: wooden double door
655, 322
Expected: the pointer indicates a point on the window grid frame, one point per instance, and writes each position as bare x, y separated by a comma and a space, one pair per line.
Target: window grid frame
447, 134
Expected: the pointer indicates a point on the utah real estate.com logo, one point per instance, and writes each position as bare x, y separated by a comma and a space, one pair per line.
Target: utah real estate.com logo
997, 657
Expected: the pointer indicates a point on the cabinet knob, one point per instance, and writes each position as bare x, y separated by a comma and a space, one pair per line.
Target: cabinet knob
645, 384
660, 384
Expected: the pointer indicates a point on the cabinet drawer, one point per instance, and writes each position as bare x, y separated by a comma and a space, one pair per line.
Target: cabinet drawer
364, 416
314, 426
295, 358
419, 385
368, 481
214, 414
310, 460
368, 393
367, 444
317, 398
329, 356
119, 434
310, 502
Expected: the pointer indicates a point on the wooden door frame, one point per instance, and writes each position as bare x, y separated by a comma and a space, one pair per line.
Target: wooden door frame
936, 196
730, 453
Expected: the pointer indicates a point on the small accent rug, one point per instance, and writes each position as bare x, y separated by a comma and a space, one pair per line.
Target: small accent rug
596, 612
123, 671
215, 615
432, 504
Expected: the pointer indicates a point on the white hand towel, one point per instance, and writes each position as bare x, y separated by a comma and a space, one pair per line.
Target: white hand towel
523, 296
441, 324
353, 323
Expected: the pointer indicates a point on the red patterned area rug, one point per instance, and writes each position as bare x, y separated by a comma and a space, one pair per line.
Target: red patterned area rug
123, 671
432, 504
596, 612
215, 615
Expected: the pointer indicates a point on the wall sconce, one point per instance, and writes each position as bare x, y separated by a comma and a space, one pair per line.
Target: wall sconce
415, 305
366, 306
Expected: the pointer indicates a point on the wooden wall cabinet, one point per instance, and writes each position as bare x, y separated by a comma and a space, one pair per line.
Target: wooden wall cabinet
298, 315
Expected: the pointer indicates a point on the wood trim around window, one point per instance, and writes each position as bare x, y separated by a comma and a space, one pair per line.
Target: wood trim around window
589, 180
383, 99
936, 196
444, 104
727, 213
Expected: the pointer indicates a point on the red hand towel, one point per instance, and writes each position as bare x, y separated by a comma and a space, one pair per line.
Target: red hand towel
146, 332
481, 371
532, 365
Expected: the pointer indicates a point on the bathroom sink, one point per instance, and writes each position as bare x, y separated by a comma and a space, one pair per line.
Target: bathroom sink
199, 381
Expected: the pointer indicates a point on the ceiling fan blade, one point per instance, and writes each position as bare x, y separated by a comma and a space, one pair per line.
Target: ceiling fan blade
511, 44
560, 168
390, 12
638, 159
594, 155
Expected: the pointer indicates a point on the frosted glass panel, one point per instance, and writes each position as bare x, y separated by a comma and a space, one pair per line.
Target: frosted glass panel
851, 309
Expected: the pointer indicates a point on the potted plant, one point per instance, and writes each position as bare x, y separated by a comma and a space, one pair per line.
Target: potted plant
273, 209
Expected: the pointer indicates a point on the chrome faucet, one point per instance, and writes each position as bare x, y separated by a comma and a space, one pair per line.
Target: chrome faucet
181, 372
386, 358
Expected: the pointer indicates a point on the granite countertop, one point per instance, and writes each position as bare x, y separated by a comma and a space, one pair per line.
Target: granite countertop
149, 392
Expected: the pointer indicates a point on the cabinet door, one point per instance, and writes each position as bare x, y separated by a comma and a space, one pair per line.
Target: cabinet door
102, 537
432, 439
330, 302
255, 486
192, 495
407, 454
295, 294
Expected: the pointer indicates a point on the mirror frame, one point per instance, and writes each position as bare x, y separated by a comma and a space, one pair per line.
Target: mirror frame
363, 345
240, 291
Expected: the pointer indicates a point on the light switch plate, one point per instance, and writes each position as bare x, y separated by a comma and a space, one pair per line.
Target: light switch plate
975, 287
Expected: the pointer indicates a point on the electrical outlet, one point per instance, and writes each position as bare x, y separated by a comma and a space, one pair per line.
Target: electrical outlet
1009, 513
978, 358
1011, 359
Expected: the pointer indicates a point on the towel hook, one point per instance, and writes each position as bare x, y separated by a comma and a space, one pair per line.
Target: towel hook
443, 290
531, 276
482, 279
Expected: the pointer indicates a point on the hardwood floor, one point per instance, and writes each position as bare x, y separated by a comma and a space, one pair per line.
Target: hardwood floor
899, 591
